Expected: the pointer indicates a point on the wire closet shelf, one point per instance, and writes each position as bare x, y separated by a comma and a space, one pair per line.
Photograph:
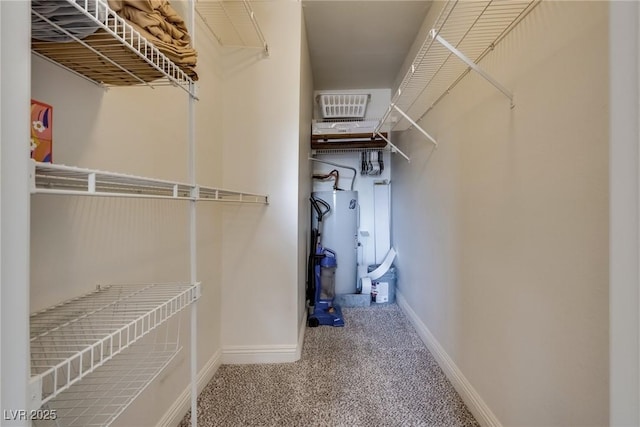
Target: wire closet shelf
104, 394
463, 34
232, 23
48, 178
73, 339
93, 41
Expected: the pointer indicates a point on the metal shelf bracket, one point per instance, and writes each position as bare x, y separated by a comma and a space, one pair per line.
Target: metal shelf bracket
475, 67
415, 125
394, 149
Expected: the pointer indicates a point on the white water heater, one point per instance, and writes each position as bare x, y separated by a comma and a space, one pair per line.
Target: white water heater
340, 234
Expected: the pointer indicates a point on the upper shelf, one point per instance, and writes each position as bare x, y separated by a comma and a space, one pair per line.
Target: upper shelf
464, 32
48, 178
232, 23
92, 40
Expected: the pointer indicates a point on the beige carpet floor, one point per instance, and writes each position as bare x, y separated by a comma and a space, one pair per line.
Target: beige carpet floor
375, 371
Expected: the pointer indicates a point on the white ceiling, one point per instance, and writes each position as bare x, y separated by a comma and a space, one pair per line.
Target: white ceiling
360, 44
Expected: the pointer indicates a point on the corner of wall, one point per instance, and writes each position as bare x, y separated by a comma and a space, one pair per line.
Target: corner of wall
178, 410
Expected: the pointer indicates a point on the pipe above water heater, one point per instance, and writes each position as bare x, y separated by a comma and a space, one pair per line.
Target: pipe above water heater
355, 172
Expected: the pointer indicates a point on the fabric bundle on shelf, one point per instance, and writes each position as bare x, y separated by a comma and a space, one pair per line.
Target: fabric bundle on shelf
158, 22
91, 48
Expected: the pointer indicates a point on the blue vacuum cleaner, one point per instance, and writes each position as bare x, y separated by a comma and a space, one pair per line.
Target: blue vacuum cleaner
321, 276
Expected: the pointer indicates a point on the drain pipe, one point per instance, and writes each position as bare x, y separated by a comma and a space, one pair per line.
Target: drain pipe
355, 172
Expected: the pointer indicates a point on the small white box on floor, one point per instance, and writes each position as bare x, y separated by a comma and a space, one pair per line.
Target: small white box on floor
380, 292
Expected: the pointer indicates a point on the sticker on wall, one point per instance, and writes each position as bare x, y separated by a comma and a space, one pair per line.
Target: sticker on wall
41, 132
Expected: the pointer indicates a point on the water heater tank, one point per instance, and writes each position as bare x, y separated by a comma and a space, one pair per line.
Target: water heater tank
339, 233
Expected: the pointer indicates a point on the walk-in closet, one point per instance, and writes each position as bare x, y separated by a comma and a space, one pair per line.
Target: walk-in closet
237, 199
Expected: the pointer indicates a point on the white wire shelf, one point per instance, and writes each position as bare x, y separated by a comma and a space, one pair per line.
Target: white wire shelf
50, 178
98, 44
61, 179
71, 340
104, 394
233, 23
463, 34
347, 150
218, 195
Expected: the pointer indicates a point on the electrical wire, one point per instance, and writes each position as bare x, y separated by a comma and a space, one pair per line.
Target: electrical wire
334, 174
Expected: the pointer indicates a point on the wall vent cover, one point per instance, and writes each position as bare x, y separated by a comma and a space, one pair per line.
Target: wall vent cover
344, 105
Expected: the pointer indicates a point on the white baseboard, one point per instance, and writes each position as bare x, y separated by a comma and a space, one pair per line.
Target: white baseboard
256, 354
252, 354
177, 411
233, 355
470, 396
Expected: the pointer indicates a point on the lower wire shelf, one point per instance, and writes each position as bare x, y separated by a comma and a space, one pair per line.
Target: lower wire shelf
104, 394
73, 339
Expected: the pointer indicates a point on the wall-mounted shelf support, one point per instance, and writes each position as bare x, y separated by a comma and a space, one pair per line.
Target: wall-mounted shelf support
475, 67
415, 125
394, 149
256, 27
394, 107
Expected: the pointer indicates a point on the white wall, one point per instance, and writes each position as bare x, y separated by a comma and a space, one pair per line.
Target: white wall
304, 174
624, 186
260, 295
15, 201
503, 232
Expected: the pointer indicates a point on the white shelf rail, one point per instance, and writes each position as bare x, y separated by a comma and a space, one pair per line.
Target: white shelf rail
220, 195
68, 180
73, 339
49, 178
106, 47
347, 150
463, 34
233, 23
